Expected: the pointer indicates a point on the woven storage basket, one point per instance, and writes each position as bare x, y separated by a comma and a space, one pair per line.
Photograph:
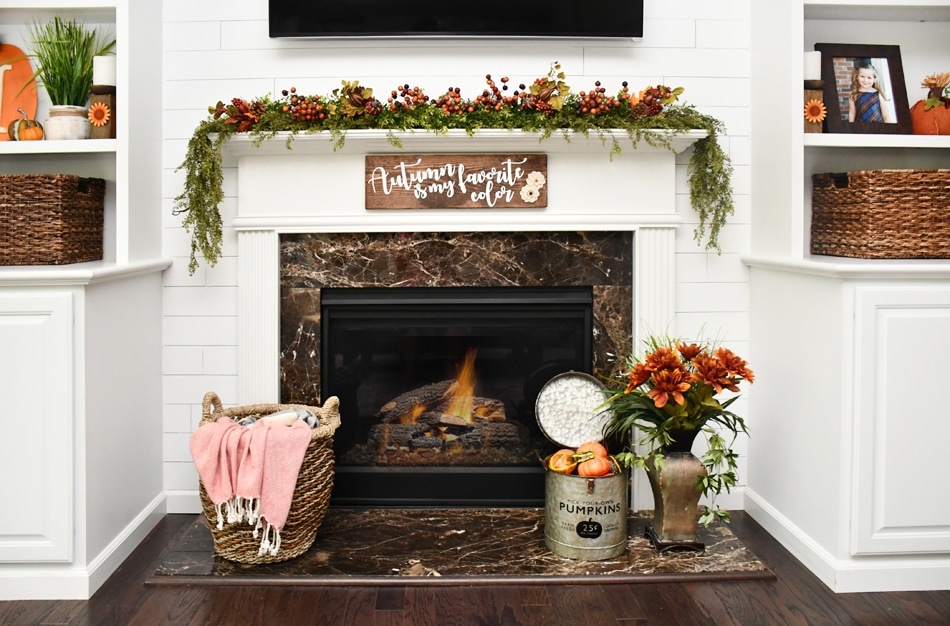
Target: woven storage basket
882, 214
236, 542
50, 219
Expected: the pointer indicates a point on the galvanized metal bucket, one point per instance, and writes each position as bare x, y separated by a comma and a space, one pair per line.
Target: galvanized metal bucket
586, 518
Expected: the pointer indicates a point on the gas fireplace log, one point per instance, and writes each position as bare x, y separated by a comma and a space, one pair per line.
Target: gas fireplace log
488, 410
392, 411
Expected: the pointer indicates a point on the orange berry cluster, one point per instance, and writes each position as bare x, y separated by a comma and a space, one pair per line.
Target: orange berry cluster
304, 108
451, 102
407, 98
597, 101
493, 99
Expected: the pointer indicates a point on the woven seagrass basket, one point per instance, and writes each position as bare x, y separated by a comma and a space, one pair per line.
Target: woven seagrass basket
50, 219
311, 499
882, 214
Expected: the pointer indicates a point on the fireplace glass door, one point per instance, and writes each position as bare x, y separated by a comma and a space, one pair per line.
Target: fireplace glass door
438, 387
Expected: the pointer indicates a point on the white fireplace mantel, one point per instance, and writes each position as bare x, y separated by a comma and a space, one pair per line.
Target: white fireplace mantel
312, 185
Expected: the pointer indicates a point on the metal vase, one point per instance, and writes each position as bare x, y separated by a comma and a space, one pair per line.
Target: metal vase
675, 497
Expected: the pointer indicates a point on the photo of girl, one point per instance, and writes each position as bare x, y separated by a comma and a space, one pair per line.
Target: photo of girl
868, 100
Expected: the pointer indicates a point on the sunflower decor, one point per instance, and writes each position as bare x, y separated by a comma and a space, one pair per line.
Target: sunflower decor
99, 114
815, 111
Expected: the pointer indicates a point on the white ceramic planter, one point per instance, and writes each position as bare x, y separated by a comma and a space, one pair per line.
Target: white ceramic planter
67, 122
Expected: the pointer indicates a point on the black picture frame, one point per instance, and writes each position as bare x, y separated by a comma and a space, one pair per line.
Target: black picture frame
839, 62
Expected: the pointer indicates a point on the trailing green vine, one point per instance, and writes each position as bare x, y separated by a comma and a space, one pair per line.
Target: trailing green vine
653, 116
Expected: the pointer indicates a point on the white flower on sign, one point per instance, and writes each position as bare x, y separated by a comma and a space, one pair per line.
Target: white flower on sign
536, 180
530, 194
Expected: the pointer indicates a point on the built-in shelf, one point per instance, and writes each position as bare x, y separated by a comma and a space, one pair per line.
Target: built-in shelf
79, 146
878, 10
831, 140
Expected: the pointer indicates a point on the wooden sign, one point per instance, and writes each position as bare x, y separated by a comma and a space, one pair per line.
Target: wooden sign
15, 72
456, 181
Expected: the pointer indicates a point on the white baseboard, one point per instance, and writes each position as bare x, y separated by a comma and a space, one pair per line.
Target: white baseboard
53, 581
184, 501
119, 549
898, 572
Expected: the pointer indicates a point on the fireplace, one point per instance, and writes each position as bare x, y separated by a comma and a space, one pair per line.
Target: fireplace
389, 323
442, 377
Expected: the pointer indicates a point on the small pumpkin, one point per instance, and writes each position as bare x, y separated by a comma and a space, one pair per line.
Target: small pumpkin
597, 466
562, 461
592, 446
24, 129
932, 116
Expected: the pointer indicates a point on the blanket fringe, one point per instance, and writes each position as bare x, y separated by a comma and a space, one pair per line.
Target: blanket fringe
270, 542
249, 509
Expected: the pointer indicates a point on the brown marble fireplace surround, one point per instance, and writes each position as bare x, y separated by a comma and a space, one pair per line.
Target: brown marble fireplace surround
301, 226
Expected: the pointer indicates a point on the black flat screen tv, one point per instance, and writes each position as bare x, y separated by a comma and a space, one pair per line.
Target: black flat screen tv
468, 18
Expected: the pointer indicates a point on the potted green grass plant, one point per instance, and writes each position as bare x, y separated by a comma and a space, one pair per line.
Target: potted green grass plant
64, 50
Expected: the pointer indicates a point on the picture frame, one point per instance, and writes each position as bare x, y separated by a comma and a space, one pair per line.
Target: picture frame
875, 75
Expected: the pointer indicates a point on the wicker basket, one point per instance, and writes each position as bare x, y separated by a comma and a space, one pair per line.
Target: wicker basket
311, 498
50, 219
882, 214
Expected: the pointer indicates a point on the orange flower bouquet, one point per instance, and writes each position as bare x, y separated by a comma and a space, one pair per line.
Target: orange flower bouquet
671, 395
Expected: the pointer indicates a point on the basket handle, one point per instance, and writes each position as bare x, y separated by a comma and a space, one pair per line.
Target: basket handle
210, 403
330, 420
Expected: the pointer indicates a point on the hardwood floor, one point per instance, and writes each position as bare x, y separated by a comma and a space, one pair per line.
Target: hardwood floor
796, 597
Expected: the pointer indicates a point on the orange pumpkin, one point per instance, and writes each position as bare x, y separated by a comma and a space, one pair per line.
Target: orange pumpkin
933, 121
593, 446
562, 461
597, 466
25, 129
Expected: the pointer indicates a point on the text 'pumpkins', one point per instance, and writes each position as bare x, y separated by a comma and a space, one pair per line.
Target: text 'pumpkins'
24, 129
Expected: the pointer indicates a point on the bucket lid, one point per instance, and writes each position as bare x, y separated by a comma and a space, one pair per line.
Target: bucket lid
568, 409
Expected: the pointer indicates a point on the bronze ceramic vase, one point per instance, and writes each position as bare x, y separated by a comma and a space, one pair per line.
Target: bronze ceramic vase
676, 496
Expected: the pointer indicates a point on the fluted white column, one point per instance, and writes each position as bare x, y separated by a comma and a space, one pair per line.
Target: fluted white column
258, 321
654, 283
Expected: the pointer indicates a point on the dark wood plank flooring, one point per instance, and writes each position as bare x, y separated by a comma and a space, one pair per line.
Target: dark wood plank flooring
796, 597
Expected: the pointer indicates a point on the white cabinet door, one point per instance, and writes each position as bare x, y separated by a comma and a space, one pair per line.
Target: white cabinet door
36, 421
901, 420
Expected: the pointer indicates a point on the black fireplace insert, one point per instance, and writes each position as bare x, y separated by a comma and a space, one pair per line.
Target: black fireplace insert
438, 386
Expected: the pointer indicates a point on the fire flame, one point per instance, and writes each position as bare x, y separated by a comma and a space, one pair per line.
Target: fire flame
458, 399
463, 390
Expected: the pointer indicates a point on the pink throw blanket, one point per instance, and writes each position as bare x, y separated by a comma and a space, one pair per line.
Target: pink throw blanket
251, 472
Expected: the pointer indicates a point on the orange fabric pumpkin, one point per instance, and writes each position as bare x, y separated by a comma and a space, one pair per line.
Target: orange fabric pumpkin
597, 466
935, 121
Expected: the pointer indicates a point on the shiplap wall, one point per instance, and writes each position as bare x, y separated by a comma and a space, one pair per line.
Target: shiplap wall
216, 52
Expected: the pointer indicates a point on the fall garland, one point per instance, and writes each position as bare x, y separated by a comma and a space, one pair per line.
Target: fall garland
546, 106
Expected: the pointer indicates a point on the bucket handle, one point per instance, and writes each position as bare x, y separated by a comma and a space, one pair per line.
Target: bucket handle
590, 486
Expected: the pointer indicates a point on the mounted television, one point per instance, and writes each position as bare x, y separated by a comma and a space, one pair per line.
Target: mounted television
438, 18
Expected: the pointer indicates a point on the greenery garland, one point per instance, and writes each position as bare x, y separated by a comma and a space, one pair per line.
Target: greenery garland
545, 107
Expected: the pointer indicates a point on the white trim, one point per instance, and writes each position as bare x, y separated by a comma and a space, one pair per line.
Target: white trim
69, 582
867, 574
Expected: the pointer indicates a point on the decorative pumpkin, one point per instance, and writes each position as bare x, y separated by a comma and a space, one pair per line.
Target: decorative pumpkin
562, 461
932, 116
25, 129
593, 446
597, 466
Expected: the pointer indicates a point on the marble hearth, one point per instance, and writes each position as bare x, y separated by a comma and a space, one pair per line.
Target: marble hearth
316, 187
